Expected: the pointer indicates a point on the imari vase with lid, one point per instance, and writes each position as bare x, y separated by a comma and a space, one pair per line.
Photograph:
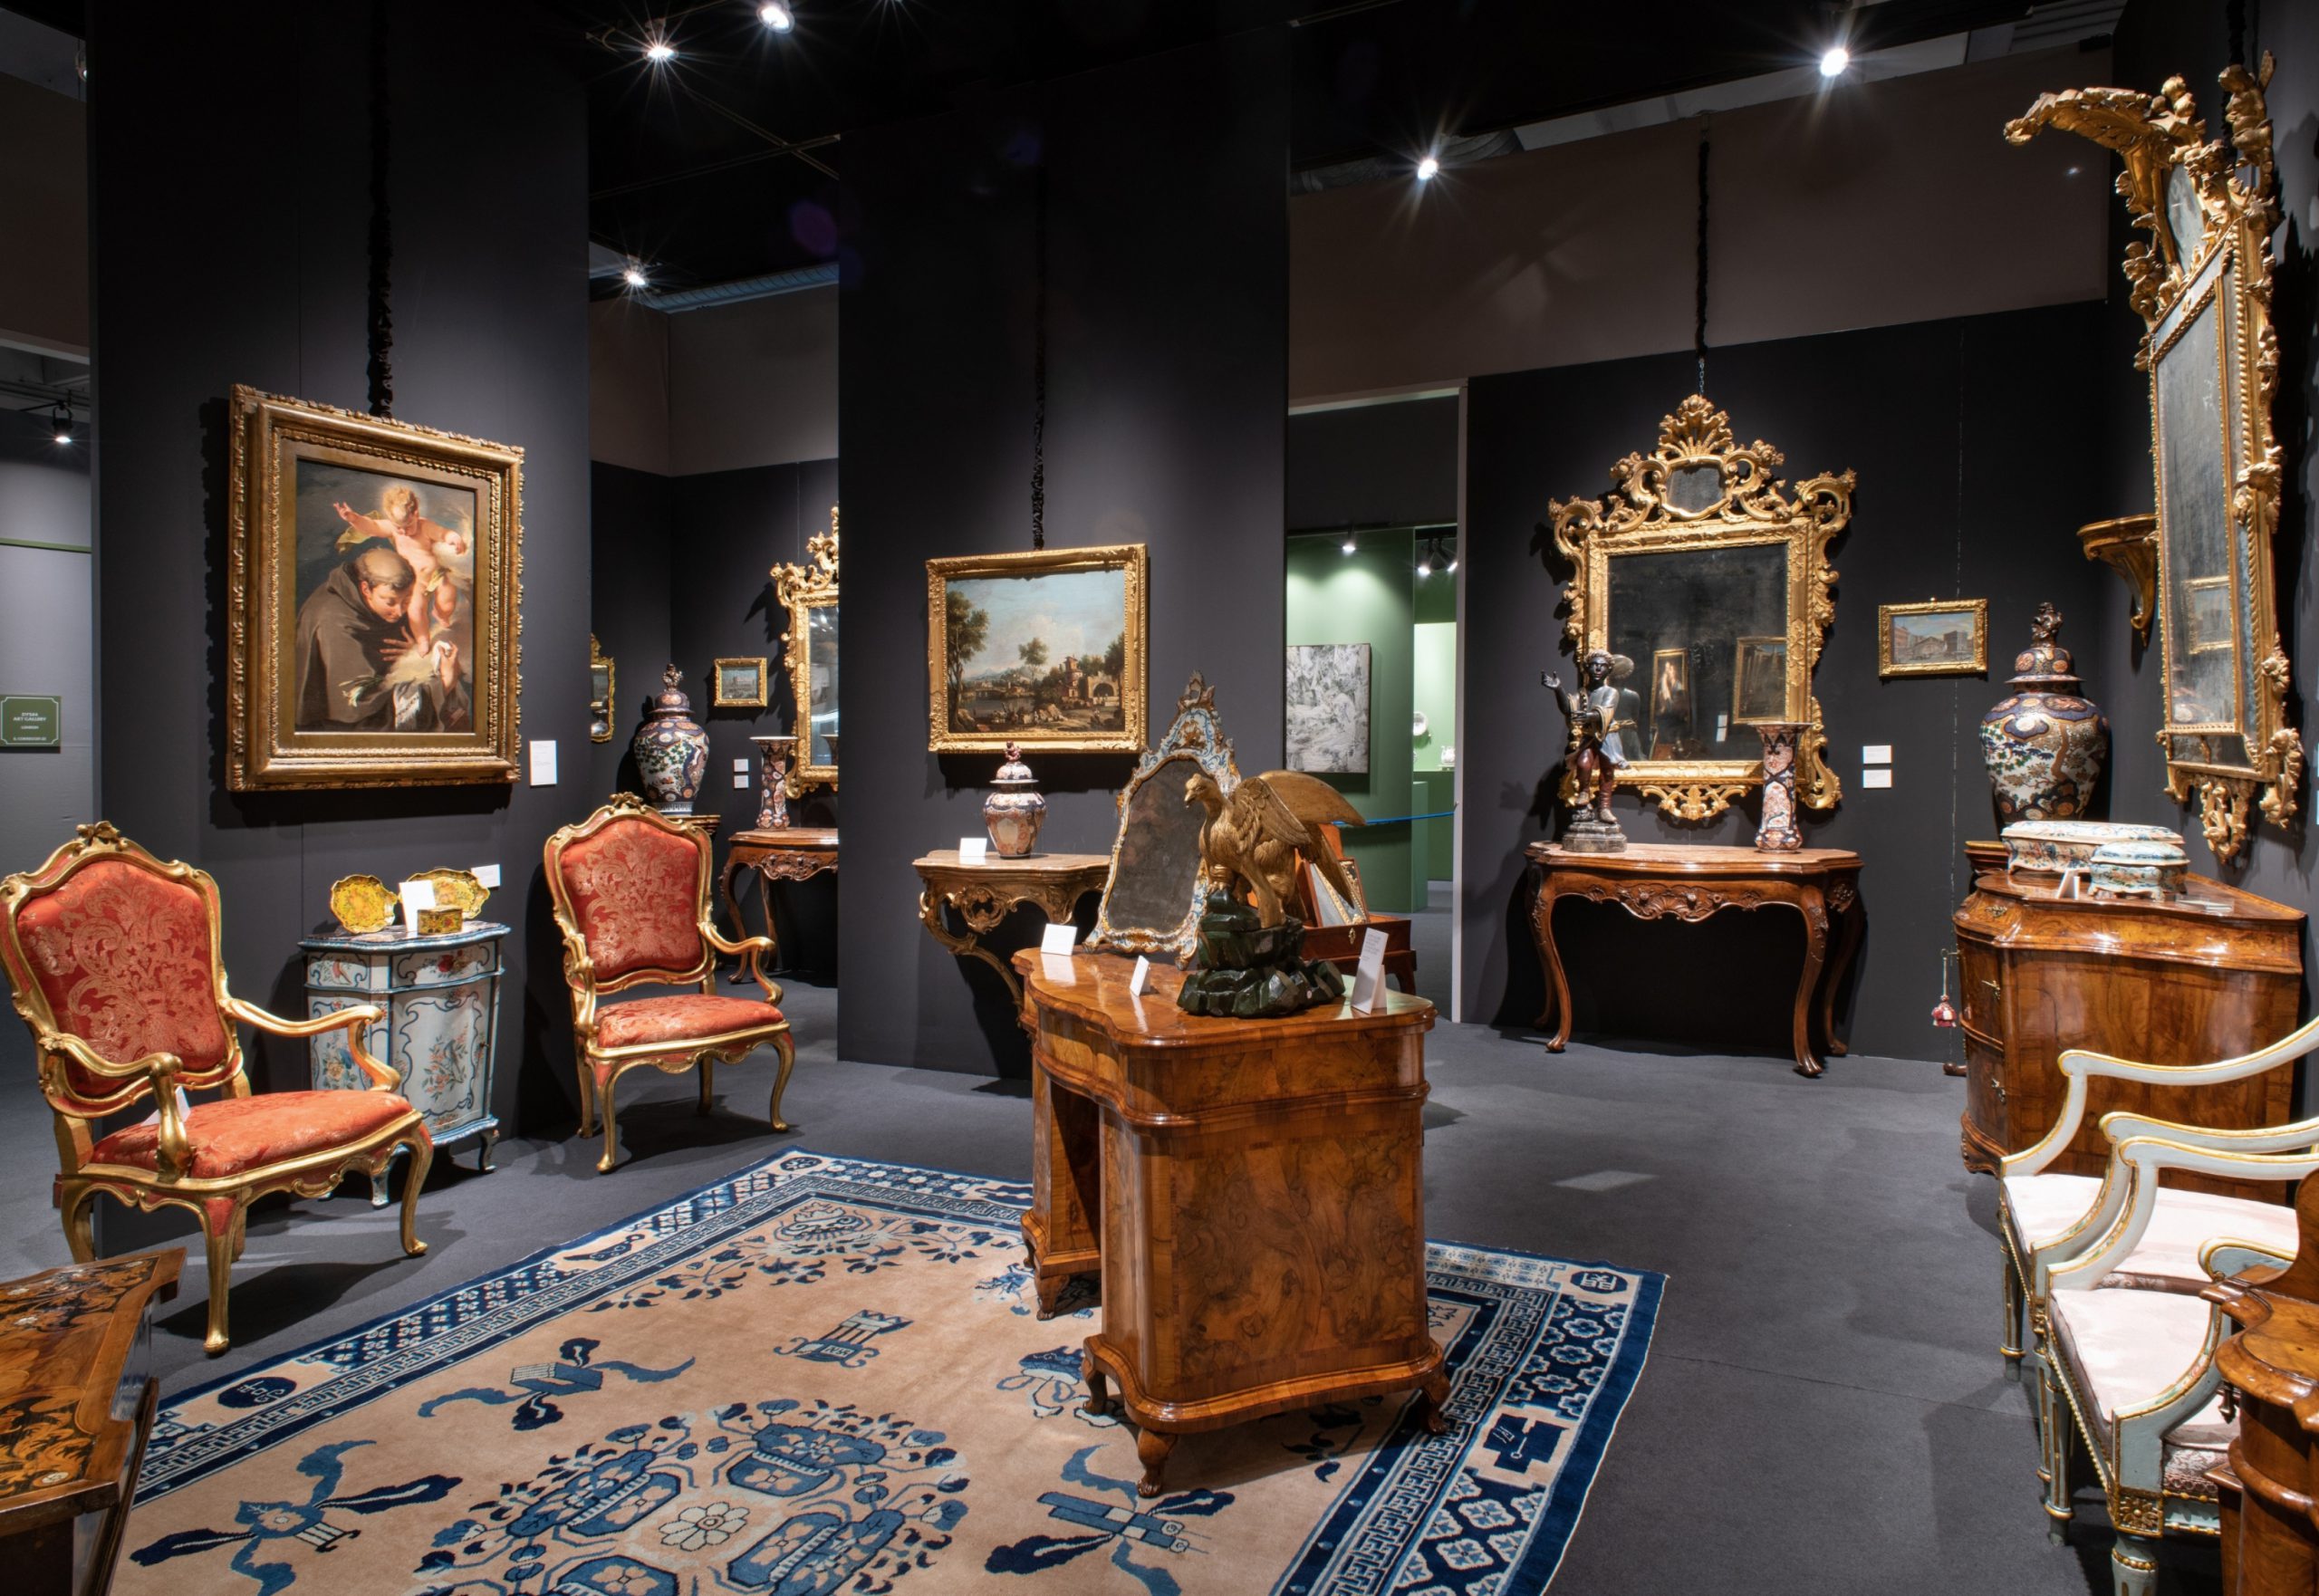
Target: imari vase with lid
2045, 745
1015, 810
671, 750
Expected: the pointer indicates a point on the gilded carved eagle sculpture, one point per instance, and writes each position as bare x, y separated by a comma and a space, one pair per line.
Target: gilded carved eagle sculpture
1256, 832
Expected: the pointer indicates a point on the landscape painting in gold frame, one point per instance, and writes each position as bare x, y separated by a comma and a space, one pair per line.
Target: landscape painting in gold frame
373, 579
1046, 650
1942, 637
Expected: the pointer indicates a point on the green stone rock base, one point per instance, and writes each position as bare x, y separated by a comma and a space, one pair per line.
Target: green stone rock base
1243, 970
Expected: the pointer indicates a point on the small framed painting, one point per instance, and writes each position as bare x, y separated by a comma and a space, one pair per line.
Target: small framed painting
739, 684
1942, 637
1759, 681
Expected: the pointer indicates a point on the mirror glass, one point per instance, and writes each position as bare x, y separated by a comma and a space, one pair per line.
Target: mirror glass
2182, 216
1693, 488
821, 654
1706, 630
1155, 883
2205, 606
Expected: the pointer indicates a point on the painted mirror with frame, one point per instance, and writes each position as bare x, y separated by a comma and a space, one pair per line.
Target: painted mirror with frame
1151, 898
1703, 570
2202, 284
809, 594
603, 692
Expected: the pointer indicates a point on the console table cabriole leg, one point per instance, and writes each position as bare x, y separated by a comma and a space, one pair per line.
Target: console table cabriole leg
1813, 907
1845, 897
1152, 1448
1541, 928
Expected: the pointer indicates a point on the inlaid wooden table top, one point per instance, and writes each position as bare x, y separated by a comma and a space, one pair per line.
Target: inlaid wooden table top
997, 866
1698, 858
1094, 987
790, 837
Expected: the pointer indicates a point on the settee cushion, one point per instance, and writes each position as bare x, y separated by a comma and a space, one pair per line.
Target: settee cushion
2044, 1207
2124, 1347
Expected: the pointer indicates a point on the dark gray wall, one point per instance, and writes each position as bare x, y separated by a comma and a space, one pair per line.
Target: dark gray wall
1972, 482
2155, 42
629, 519
490, 291
1168, 322
1374, 465
44, 792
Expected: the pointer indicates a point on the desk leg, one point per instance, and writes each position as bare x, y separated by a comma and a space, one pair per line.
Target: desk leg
1066, 1188
1847, 945
1813, 908
1542, 931
1151, 1449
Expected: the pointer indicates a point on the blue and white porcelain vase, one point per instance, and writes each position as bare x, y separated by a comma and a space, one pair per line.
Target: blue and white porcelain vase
2045, 745
671, 750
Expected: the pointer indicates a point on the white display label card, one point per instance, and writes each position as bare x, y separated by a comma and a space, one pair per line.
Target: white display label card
1060, 939
542, 763
486, 875
1876, 754
1369, 980
1139, 982
972, 850
740, 781
415, 895
1876, 776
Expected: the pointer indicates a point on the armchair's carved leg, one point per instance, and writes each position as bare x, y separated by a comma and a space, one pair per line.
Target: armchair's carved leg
708, 1076
604, 1164
587, 1072
787, 1049
2011, 1345
1152, 1447
422, 1155
241, 1233
222, 1250
78, 1235
2054, 1421
2133, 1566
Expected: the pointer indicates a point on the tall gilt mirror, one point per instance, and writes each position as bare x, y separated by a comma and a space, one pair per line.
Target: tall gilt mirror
2203, 287
1712, 582
809, 592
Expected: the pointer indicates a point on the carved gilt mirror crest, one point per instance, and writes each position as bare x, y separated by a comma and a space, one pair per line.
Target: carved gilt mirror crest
809, 592
1711, 579
2202, 285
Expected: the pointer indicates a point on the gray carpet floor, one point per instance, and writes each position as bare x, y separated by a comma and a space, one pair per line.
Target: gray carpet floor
1824, 1410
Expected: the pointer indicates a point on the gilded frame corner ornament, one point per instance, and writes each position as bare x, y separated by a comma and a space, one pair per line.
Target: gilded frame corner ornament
266, 751
2174, 180
1133, 560
800, 590
1752, 505
1887, 668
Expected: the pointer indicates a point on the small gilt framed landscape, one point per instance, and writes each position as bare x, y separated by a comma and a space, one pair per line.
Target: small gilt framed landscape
739, 684
1045, 648
374, 571
1943, 637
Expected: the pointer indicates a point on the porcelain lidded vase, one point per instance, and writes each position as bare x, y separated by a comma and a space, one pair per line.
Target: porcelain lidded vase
1015, 810
1779, 834
671, 750
773, 754
2044, 746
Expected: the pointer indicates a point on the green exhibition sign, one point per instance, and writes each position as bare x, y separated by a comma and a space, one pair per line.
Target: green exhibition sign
30, 720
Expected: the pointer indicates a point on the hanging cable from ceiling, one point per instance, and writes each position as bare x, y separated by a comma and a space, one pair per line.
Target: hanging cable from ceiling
1039, 346
382, 238
1699, 325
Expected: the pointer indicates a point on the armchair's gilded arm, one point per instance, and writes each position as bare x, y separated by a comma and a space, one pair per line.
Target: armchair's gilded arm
174, 1154
2144, 1157
747, 948
2121, 1125
350, 1019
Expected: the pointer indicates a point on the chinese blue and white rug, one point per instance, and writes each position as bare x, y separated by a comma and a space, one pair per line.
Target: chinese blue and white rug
827, 1375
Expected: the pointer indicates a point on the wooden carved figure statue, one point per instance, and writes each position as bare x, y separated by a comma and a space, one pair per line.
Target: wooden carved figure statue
1256, 834
1601, 714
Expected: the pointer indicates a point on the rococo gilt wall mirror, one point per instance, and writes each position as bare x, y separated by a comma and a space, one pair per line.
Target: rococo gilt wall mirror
1711, 581
1151, 898
2203, 287
809, 592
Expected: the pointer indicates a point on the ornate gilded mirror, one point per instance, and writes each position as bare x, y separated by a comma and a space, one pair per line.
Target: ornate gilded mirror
2203, 287
1711, 582
809, 592
603, 692
1151, 900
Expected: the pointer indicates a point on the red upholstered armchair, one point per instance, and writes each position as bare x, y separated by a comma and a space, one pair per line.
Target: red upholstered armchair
113, 958
630, 889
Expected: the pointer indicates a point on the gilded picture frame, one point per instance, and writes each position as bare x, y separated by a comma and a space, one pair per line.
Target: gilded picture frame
603, 692
374, 579
1912, 641
1080, 693
1698, 490
2201, 283
809, 595
737, 683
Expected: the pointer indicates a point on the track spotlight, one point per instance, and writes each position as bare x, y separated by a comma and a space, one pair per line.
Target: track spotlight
658, 51
1452, 567
1425, 567
1832, 63
1427, 168
60, 421
1348, 545
634, 276
776, 16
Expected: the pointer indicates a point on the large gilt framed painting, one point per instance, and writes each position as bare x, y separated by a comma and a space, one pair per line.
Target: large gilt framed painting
1046, 650
373, 578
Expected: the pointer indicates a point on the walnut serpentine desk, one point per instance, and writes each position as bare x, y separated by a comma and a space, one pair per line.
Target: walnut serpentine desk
1690, 882
984, 894
1250, 1189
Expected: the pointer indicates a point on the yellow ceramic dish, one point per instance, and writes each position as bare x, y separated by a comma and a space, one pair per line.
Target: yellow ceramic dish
363, 904
456, 890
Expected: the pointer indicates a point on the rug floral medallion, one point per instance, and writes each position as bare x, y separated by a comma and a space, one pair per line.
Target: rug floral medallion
826, 1375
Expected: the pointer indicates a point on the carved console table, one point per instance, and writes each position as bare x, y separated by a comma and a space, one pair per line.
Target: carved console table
984, 894
77, 1385
785, 853
1689, 882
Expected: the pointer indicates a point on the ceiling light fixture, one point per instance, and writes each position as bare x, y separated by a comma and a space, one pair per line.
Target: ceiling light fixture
1348, 545
634, 276
658, 51
1427, 168
60, 421
1833, 62
776, 16
1425, 567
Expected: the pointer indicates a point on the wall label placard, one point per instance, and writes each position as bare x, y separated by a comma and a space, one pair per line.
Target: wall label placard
31, 720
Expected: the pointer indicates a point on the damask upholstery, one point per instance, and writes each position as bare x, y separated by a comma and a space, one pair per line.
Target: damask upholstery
634, 889
123, 958
2045, 1207
686, 1017
234, 1134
